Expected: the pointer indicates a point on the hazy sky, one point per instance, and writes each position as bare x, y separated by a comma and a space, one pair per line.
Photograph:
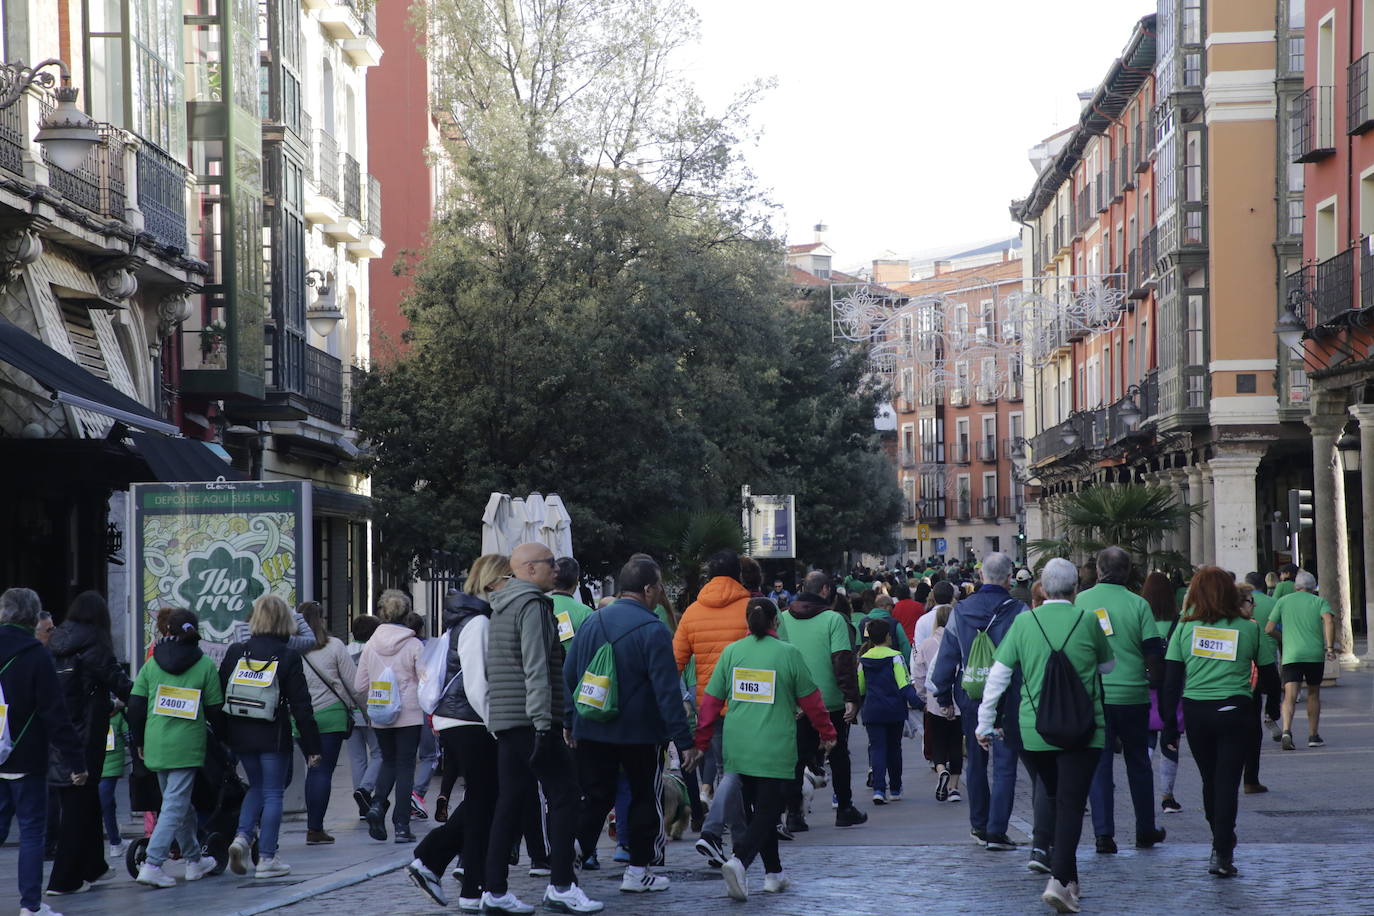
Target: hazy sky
904, 124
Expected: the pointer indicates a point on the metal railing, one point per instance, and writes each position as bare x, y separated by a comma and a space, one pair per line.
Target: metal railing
987, 450
933, 453
985, 394
367, 14
162, 195
351, 179
1366, 276
958, 396
328, 177
987, 506
1359, 116
12, 139
308, 138
323, 385
908, 457
1334, 293
354, 377
931, 509
963, 508
1311, 131
374, 207
961, 453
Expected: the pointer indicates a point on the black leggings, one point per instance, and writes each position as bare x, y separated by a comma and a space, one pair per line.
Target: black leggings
767, 797
1268, 703
1220, 733
450, 742
1066, 776
469, 825
945, 739
399, 746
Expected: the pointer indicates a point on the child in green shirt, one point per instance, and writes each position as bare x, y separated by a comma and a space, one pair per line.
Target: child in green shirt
116, 760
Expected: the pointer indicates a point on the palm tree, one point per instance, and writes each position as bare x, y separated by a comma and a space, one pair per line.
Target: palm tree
686, 539
1134, 516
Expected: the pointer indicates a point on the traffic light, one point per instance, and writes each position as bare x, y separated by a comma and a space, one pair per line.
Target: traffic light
1301, 515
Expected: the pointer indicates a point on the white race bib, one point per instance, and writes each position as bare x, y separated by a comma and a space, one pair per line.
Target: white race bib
379, 693
109, 739
1215, 642
565, 627
1104, 621
176, 702
250, 675
752, 685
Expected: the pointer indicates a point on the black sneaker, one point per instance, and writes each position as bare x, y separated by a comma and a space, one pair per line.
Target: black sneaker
403, 834
1106, 846
979, 836
591, 863
849, 816
1000, 842
1288, 744
376, 823
710, 846
1221, 867
942, 786
1150, 838
364, 801
1170, 805
1315, 741
796, 823
1039, 861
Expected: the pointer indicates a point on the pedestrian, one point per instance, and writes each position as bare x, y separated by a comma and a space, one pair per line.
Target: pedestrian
567, 609
39, 726
887, 695
387, 670
1159, 595
117, 744
780, 595
764, 679
461, 717
525, 683
991, 611
364, 754
649, 715
1037, 641
1305, 626
427, 751
942, 594
1272, 706
329, 673
177, 695
1287, 583
822, 636
1129, 625
1209, 661
943, 730
908, 610
882, 610
264, 686
83, 652
1021, 590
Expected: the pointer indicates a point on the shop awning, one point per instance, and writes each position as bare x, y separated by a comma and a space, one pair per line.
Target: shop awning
175, 460
70, 384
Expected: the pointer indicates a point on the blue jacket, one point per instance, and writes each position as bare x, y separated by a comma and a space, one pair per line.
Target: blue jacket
886, 689
650, 693
38, 716
990, 604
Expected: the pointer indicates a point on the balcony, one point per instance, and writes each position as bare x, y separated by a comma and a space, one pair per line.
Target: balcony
987, 450
1014, 388
1311, 132
97, 184
162, 196
371, 245
324, 385
353, 24
1334, 292
349, 227
1366, 277
963, 508
958, 396
931, 509
1144, 142
933, 454
987, 507
1013, 506
12, 132
1126, 167
324, 205
985, 394
908, 458
962, 453
1359, 112
1101, 192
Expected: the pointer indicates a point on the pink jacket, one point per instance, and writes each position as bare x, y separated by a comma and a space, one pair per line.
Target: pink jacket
398, 647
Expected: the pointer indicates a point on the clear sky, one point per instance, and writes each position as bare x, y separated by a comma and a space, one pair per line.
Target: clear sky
904, 124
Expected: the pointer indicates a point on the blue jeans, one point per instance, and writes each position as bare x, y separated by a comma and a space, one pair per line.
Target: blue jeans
989, 807
1132, 725
109, 809
176, 821
263, 804
885, 756
26, 799
318, 779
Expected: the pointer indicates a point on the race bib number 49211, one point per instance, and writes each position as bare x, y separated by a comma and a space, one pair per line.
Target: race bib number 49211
752, 685
177, 702
1215, 642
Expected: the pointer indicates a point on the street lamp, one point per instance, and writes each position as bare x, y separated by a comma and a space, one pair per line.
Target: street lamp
1069, 435
1129, 410
325, 314
1018, 453
66, 133
1290, 330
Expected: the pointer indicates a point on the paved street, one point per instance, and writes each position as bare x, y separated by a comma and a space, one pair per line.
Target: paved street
1298, 845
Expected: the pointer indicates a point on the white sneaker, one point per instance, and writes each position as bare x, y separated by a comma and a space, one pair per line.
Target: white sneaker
776, 884
272, 868
506, 903
642, 880
469, 904
430, 884
894, 796
43, 910
573, 900
1060, 897
81, 889
736, 882
154, 876
199, 868
239, 855
119, 851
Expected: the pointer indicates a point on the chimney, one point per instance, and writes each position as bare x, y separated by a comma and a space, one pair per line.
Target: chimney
820, 229
942, 267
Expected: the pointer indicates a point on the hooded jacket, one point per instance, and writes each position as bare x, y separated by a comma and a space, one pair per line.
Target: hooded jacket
173, 658
461, 610
257, 735
524, 660
88, 674
991, 608
398, 647
709, 624
839, 667
37, 714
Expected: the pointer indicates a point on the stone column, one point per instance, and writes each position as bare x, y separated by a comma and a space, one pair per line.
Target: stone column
1196, 540
1183, 536
1233, 488
1209, 517
1328, 504
1364, 415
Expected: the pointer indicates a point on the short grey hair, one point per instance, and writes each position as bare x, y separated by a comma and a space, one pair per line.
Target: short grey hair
1059, 579
1304, 581
997, 569
20, 606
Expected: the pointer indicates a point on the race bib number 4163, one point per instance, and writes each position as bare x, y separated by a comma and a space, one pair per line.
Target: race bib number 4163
1215, 642
752, 685
177, 702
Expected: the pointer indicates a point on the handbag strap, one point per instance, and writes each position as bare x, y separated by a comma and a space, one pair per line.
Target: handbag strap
328, 685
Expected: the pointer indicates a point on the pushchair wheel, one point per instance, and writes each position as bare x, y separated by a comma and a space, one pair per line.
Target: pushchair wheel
136, 855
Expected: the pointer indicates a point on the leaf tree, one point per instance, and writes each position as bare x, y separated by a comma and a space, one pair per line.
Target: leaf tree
1134, 516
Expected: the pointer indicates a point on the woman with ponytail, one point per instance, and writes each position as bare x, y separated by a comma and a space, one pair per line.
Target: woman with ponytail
763, 680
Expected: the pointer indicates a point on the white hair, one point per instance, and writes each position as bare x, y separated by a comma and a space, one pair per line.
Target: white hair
20, 606
1304, 581
1059, 579
997, 569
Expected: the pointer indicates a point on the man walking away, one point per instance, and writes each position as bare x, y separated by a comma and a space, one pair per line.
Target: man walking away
1129, 625
525, 683
1268, 703
568, 611
38, 722
823, 639
989, 610
650, 715
1304, 623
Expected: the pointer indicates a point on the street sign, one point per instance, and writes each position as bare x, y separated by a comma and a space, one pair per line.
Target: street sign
922, 532
940, 545
770, 526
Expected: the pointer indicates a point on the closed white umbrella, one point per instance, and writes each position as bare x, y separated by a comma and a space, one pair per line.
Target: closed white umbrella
515, 524
558, 525
495, 521
534, 519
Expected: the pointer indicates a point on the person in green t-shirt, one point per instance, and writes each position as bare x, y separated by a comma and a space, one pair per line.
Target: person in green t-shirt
116, 760
1057, 625
567, 610
1287, 573
764, 680
176, 693
1270, 705
1208, 664
1306, 628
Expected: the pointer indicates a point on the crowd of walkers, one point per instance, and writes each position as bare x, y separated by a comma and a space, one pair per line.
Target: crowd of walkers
729, 717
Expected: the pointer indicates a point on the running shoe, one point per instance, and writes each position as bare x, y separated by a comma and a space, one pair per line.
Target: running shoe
879, 798
979, 836
376, 823
591, 863
783, 833
622, 854
79, 889
954, 796
1106, 846
403, 835
540, 869
271, 868
417, 807
1274, 726
894, 796
1150, 838
507, 903
1039, 861
427, 881
573, 900
642, 881
154, 876
849, 816
736, 882
796, 822
942, 786
1315, 740
776, 884
1170, 805
1000, 842
1060, 897
1288, 744
1221, 867
363, 798
239, 855
710, 846
199, 868
441, 809
469, 904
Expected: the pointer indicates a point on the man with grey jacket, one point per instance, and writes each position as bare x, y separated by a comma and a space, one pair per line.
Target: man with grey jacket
526, 705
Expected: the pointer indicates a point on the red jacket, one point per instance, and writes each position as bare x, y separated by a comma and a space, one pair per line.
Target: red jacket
907, 612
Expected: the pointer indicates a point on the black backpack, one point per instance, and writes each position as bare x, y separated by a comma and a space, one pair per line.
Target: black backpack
1065, 716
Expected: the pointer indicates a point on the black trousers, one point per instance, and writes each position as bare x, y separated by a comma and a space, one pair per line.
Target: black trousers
1219, 733
468, 828
767, 797
80, 841
399, 746
600, 765
1269, 705
519, 781
450, 743
1066, 776
945, 740
808, 746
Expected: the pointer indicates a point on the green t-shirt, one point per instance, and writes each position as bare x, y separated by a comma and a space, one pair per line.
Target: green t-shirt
174, 736
816, 638
1217, 657
1026, 648
661, 613
1163, 627
762, 680
1126, 620
116, 741
899, 640
1283, 589
570, 614
1300, 615
1264, 606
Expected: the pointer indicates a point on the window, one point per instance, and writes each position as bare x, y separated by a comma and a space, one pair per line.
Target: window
990, 493
820, 265
987, 324
1326, 230
909, 384
135, 69
1131, 375
1196, 355
1191, 22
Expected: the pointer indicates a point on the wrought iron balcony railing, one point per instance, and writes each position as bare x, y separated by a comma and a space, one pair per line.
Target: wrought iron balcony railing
1311, 131
351, 181
324, 385
328, 176
374, 207
162, 195
1334, 294
1359, 112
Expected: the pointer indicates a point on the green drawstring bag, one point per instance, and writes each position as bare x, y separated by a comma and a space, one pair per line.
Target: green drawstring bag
598, 698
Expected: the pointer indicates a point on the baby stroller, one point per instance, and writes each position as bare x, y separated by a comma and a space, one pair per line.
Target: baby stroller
216, 798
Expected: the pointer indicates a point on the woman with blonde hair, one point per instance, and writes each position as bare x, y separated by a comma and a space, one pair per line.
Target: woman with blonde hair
394, 647
264, 680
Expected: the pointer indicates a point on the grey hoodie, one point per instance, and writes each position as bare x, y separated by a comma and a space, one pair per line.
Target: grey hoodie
524, 660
